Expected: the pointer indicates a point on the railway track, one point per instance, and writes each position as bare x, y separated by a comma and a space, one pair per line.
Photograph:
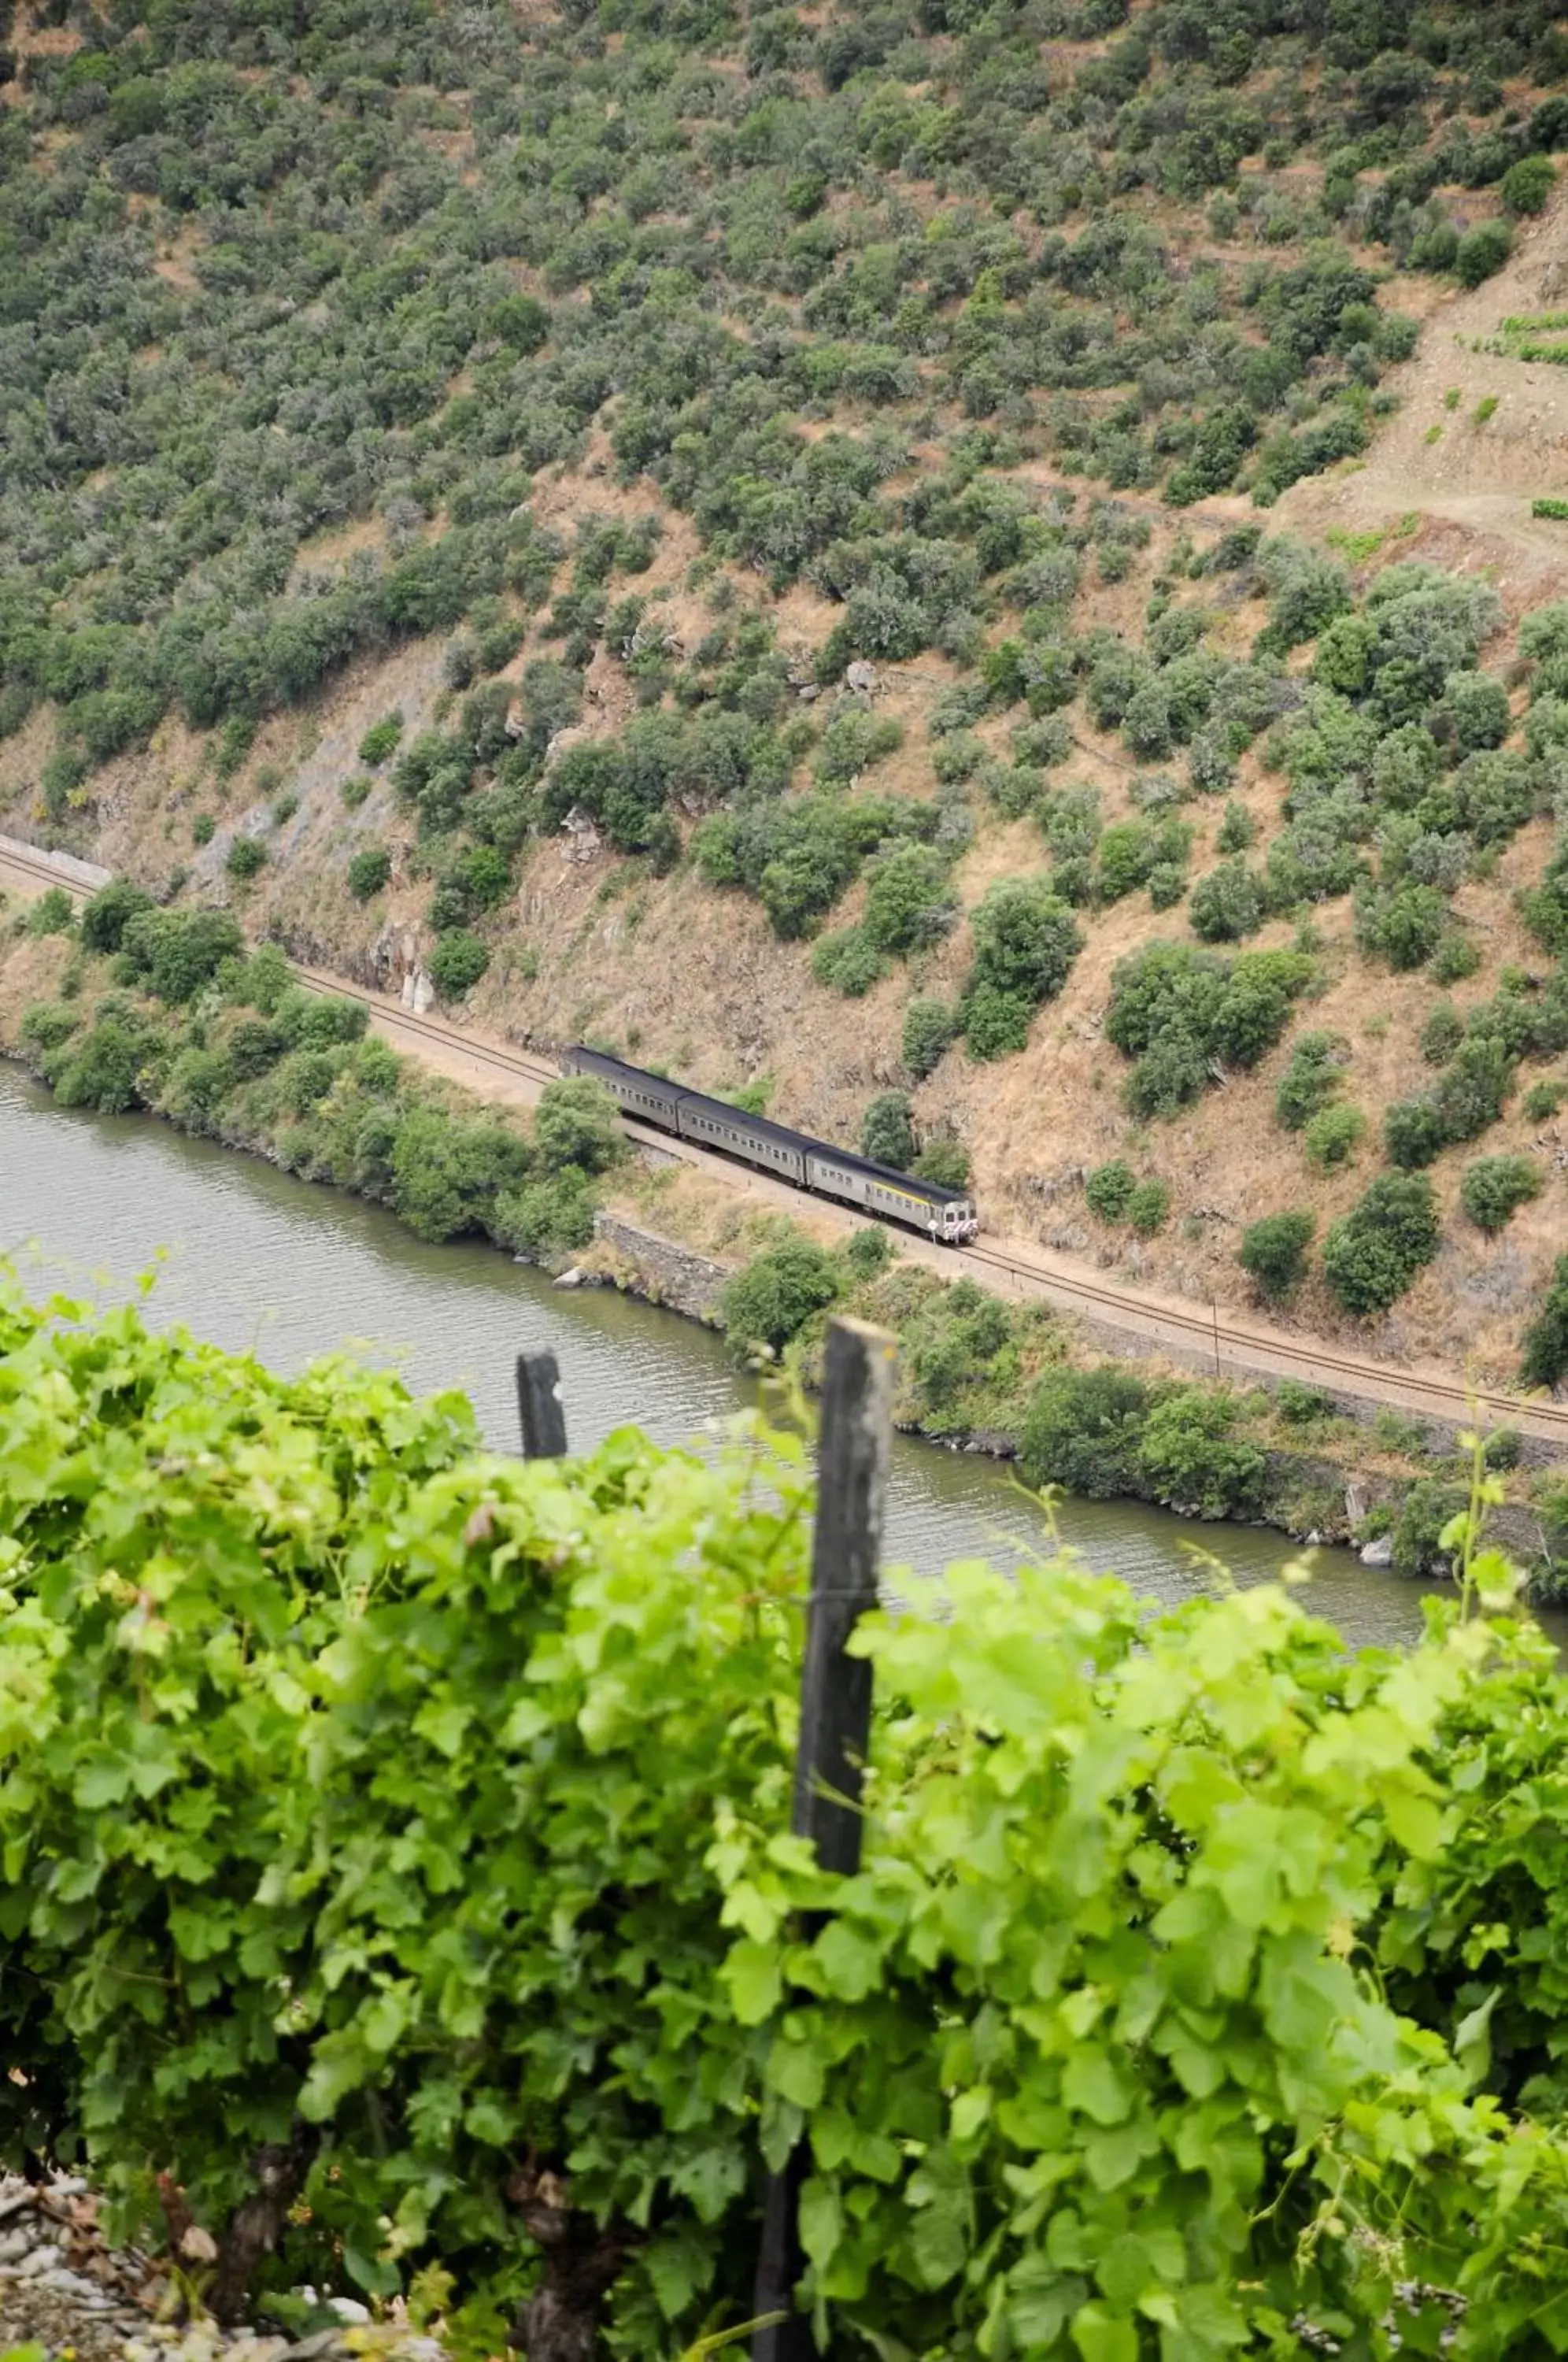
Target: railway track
1186, 1328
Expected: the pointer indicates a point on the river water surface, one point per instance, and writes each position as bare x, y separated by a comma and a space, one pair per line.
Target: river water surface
257, 1260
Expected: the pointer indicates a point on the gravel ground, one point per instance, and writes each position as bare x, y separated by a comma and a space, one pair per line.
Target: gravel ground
63, 2288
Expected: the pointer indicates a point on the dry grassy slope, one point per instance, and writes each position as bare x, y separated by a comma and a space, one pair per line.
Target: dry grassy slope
681, 975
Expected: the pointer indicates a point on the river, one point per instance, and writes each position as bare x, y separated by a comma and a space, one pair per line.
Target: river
257, 1260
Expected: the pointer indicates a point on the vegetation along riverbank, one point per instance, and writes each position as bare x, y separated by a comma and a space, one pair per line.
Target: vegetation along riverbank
134, 1007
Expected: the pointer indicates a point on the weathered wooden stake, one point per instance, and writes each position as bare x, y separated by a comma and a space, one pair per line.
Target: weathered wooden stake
539, 1406
836, 1720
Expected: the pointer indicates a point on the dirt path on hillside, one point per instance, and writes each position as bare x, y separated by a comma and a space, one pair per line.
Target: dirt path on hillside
1217, 1339
1478, 475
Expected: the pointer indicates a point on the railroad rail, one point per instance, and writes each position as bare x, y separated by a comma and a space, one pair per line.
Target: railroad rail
1192, 1330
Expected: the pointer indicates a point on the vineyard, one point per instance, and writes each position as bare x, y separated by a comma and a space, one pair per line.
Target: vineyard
393, 1859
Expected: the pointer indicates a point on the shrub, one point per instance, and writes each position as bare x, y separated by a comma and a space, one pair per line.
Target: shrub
356, 790
102, 1072
1442, 1033
1082, 1431
1148, 1207
887, 1130
176, 952
1238, 829
1495, 1187
1426, 1511
1331, 1137
847, 961
1108, 1190
1374, 1252
1226, 904
1403, 923
1316, 1071
1527, 186
996, 1023
1542, 1102
1026, 940
1300, 1406
944, 1161
1414, 1134
1455, 958
577, 1124
47, 1026
367, 871
203, 828
1190, 1459
54, 913
1273, 1252
458, 960
380, 740
771, 1301
1184, 1014
1481, 251
246, 857
909, 901
867, 1251
1544, 1358
105, 917
930, 1026
1546, 505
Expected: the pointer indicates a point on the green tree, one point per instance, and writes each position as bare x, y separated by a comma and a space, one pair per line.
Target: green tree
1495, 1187
887, 1130
104, 918
1544, 1360
458, 960
1082, 1431
770, 1300
367, 871
103, 1072
929, 1027
577, 1123
1377, 1250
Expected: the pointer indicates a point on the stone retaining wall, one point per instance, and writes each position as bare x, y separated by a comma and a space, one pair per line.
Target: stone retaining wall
643, 1264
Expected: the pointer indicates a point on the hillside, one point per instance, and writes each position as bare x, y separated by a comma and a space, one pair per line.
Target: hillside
868, 521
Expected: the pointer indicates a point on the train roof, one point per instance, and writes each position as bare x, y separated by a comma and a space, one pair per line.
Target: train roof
779, 1134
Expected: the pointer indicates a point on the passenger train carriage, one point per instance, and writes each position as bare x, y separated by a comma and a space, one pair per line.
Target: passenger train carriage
945, 1215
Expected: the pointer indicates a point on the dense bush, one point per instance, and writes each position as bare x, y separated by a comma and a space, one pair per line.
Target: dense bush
1227, 904
1273, 1252
1377, 1250
1495, 1187
1545, 1360
1083, 1431
1190, 1457
1481, 251
458, 960
770, 1301
1109, 1189
1026, 940
1183, 1014
930, 1026
1313, 1076
369, 870
887, 1130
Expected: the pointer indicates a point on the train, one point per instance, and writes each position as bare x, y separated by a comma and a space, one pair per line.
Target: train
947, 1215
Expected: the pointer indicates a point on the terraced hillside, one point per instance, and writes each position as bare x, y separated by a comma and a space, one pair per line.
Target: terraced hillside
968, 569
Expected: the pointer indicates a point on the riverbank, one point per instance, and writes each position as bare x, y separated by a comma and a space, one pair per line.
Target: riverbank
975, 1368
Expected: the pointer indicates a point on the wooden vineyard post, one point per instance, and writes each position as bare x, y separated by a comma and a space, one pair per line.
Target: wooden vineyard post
835, 1721
539, 1406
